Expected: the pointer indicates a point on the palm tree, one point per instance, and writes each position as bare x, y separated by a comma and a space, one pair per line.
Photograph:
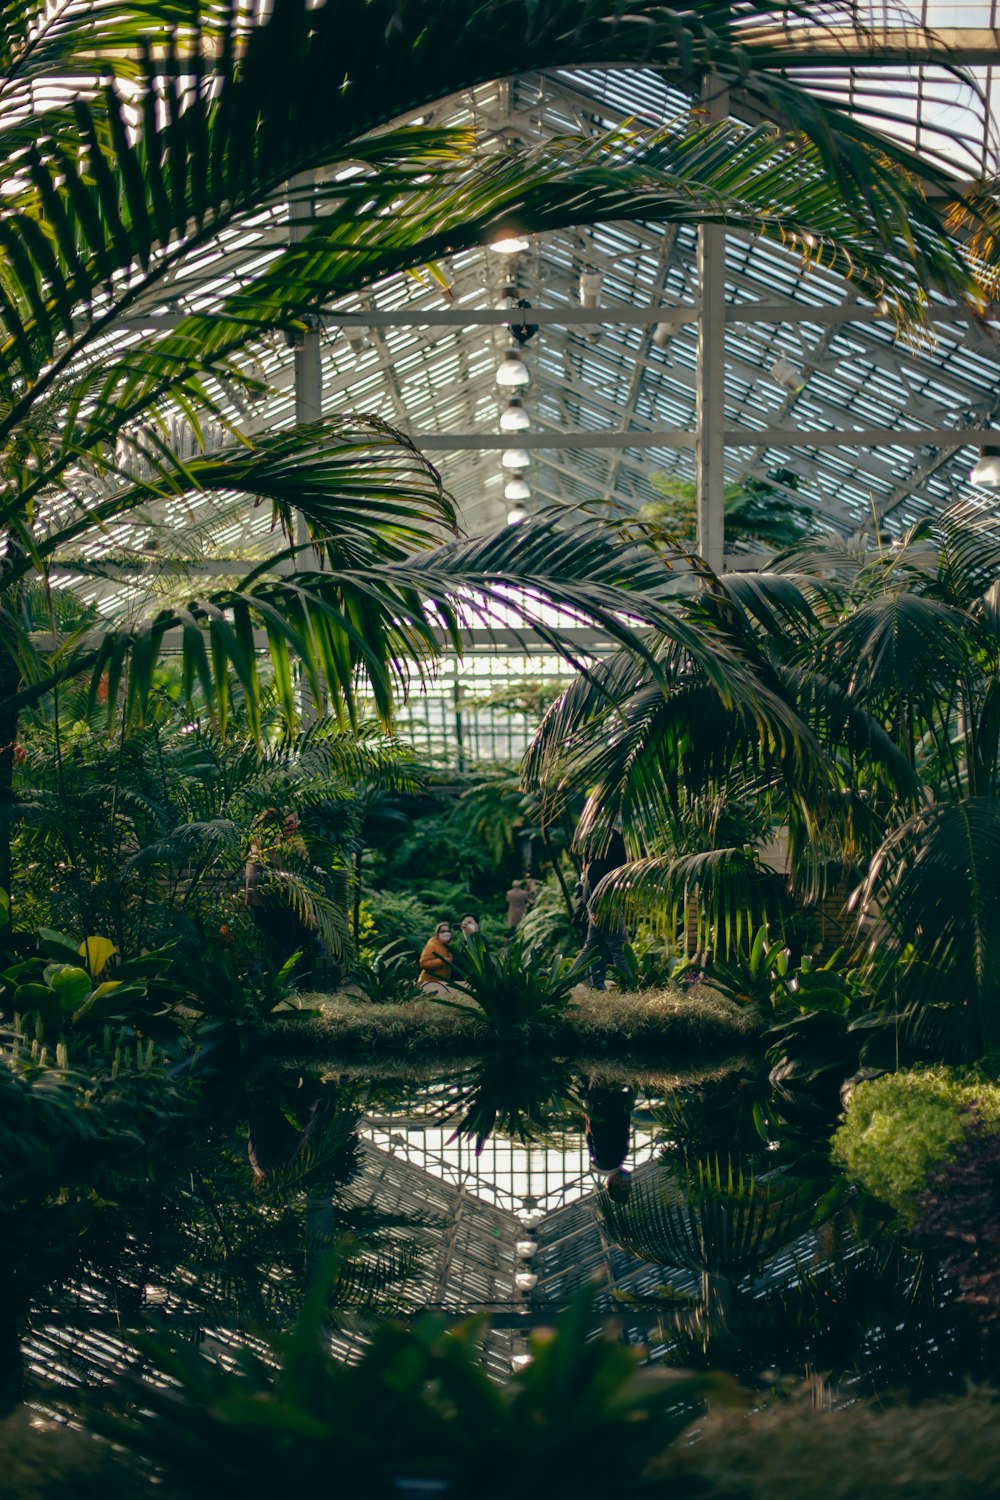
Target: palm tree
183, 124
889, 662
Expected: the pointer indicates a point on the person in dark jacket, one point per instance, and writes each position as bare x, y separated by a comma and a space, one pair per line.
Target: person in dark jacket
609, 1133
605, 936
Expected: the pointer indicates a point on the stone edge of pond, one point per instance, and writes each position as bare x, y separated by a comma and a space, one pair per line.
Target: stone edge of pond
667, 1025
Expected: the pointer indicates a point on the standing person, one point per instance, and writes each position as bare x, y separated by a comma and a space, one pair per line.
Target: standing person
469, 926
605, 935
609, 1133
518, 901
437, 957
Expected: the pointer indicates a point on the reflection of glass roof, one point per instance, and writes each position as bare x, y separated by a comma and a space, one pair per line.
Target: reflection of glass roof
843, 367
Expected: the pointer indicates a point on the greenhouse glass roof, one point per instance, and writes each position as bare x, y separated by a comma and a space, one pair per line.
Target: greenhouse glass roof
865, 429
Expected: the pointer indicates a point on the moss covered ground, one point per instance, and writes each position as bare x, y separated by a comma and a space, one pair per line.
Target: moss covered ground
655, 1026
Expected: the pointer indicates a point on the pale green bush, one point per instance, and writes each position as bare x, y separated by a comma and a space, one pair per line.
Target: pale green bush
898, 1128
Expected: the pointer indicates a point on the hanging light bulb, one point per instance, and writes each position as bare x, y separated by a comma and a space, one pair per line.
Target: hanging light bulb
516, 515
525, 1281
590, 288
512, 372
987, 470
514, 418
509, 244
525, 1249
515, 458
516, 489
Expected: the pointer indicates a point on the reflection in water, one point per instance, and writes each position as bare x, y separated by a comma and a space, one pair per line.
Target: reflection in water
503, 1187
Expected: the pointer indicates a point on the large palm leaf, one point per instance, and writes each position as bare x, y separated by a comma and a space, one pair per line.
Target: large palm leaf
931, 892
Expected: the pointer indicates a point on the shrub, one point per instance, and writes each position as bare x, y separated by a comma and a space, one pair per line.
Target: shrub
898, 1128
390, 978
398, 919
516, 987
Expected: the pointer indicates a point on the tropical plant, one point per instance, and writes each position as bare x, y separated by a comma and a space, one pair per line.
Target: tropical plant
185, 128
516, 989
389, 978
713, 1219
520, 1095
873, 747
901, 1128
756, 510
415, 1409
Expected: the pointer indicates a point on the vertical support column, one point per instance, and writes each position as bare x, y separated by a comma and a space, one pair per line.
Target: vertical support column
308, 383
710, 449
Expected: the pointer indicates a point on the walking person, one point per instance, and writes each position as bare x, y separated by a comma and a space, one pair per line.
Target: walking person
518, 901
606, 936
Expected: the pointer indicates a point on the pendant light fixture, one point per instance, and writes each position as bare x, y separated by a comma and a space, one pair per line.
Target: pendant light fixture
986, 473
517, 489
514, 418
512, 372
515, 458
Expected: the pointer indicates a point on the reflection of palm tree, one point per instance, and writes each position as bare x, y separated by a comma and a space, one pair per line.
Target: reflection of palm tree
712, 1220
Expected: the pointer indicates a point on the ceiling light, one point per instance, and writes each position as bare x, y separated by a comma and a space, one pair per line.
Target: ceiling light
515, 458
516, 489
786, 375
512, 372
516, 515
590, 288
509, 244
514, 418
987, 471
525, 1281
356, 337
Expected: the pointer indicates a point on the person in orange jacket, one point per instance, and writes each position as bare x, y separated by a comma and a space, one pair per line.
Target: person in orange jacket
437, 957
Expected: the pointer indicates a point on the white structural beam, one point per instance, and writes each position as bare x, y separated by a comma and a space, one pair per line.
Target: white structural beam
608, 315
710, 414
732, 437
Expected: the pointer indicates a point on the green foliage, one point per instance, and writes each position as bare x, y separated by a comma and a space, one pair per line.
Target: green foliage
389, 978
237, 1000
756, 510
397, 920
712, 1218
521, 1095
902, 1126
416, 1408
516, 989
649, 964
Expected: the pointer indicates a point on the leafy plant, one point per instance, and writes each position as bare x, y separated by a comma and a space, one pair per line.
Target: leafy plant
521, 1095
899, 1128
389, 978
235, 999
415, 1409
649, 965
517, 988
712, 1218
